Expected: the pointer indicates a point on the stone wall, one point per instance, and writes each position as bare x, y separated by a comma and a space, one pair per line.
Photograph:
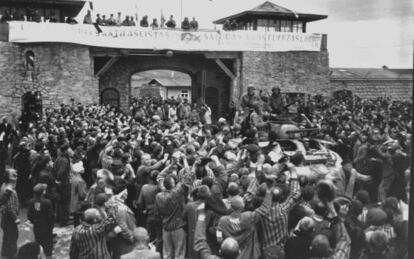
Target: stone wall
60, 72
366, 89
297, 71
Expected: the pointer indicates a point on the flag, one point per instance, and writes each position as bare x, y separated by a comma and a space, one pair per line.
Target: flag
162, 21
136, 12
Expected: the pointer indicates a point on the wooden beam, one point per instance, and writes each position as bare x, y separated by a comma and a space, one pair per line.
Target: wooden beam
107, 65
225, 68
221, 55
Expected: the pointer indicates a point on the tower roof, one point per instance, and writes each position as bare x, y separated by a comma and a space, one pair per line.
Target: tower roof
272, 10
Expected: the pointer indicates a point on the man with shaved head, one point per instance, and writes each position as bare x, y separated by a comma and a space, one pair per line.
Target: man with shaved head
89, 238
142, 249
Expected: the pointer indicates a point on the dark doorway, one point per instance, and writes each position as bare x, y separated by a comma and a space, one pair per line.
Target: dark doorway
110, 96
31, 108
32, 105
212, 100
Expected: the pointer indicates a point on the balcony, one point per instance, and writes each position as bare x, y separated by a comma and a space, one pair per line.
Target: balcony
131, 37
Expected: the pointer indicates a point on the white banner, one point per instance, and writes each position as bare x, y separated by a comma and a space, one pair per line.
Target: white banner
159, 39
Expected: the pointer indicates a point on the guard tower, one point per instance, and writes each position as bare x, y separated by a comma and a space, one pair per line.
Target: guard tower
270, 17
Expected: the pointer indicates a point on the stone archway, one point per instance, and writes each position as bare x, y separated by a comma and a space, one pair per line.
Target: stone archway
204, 73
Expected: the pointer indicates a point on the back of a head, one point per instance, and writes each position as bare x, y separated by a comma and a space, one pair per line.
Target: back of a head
233, 189
237, 203
363, 196
203, 192
141, 235
229, 248
154, 175
169, 182
378, 242
29, 250
297, 158
308, 192
320, 246
10, 176
91, 216
320, 208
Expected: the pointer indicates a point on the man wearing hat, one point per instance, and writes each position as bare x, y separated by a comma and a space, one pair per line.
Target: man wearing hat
250, 98
40, 213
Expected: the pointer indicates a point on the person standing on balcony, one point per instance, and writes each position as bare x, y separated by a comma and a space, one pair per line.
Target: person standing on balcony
98, 19
171, 23
119, 19
194, 24
185, 25
144, 21
88, 18
154, 23
111, 20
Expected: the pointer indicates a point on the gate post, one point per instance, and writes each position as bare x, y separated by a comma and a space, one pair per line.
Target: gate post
236, 82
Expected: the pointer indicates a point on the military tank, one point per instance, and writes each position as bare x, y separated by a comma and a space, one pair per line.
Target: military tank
292, 137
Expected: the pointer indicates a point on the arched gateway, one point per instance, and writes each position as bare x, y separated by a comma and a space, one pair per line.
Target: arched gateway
81, 61
205, 74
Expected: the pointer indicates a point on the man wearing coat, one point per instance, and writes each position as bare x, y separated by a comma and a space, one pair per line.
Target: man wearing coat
62, 170
242, 226
40, 214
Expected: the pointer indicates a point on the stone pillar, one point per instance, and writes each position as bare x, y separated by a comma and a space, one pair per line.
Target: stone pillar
203, 85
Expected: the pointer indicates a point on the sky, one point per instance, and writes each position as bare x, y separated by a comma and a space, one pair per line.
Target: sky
361, 33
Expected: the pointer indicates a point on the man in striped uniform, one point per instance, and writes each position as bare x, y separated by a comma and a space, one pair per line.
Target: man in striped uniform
275, 223
89, 238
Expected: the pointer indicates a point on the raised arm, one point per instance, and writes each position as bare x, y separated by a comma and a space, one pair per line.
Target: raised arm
294, 188
343, 241
200, 242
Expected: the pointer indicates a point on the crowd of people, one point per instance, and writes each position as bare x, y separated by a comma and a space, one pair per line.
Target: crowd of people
33, 15
119, 20
164, 181
186, 24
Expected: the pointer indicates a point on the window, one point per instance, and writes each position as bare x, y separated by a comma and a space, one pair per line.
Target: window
262, 25
285, 26
184, 94
297, 26
276, 25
